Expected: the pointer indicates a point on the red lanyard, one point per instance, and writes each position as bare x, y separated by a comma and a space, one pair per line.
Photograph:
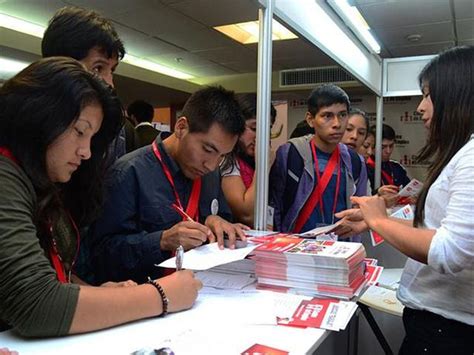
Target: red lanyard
192, 208
321, 184
56, 258
53, 250
8, 154
388, 178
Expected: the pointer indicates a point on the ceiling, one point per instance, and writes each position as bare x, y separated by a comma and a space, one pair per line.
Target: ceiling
179, 34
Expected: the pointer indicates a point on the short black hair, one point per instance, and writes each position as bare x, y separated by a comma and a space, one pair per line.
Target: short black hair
141, 110
327, 95
248, 104
356, 111
214, 104
388, 132
73, 31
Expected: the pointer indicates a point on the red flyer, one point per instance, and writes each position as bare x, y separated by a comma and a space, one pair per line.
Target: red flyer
259, 349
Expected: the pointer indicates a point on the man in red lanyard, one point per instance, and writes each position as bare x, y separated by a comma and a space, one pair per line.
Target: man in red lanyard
168, 194
394, 174
313, 176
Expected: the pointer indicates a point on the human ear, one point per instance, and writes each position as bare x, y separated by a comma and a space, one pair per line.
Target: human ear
309, 119
181, 127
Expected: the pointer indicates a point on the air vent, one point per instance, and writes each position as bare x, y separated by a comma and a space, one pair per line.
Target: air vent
313, 76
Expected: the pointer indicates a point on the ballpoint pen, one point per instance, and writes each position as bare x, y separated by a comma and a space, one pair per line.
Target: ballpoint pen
179, 257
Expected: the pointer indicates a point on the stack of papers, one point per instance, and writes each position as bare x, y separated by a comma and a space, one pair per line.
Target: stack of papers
310, 267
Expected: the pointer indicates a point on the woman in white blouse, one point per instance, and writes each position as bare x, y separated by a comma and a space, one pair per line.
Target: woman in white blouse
437, 285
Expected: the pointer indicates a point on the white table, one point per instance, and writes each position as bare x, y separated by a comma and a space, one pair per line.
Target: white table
219, 323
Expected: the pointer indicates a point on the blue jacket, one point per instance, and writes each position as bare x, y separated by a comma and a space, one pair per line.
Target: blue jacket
286, 213
125, 241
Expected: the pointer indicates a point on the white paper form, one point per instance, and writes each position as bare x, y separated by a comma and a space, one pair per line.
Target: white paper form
208, 256
225, 281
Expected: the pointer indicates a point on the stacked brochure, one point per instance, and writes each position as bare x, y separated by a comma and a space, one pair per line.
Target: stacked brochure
310, 267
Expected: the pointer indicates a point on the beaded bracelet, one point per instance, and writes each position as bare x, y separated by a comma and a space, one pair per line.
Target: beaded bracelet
164, 299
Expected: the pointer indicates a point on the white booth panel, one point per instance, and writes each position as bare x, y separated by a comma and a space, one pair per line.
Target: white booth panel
401, 75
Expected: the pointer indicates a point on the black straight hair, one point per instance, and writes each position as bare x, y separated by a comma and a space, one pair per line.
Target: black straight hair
36, 107
141, 110
356, 111
388, 132
327, 95
211, 105
248, 105
74, 31
448, 79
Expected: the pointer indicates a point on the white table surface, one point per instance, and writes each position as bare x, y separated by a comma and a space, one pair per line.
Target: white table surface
219, 323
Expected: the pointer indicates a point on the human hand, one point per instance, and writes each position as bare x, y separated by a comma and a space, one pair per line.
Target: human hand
373, 208
389, 194
189, 234
220, 226
127, 283
352, 223
6, 351
181, 288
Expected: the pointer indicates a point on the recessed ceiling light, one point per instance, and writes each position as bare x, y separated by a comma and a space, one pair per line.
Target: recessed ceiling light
247, 32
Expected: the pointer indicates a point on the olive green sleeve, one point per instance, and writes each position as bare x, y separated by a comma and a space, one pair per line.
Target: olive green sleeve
32, 301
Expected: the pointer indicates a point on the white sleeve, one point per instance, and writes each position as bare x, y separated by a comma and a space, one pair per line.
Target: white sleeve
452, 246
233, 170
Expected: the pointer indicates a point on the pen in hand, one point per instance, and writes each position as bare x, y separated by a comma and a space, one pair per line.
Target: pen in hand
179, 258
181, 212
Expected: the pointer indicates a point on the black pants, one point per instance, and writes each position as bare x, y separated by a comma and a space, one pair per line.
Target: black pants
429, 333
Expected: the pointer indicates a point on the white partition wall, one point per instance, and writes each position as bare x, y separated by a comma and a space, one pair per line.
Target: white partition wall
400, 75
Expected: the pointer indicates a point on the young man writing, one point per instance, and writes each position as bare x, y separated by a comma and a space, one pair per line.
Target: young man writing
394, 174
314, 176
140, 226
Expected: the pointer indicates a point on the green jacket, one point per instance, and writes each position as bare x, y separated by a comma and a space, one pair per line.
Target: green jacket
32, 301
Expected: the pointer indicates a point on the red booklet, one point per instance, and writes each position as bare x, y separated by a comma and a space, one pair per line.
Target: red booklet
321, 313
259, 349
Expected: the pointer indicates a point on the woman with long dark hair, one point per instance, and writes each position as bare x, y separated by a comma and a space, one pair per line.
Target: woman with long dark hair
238, 170
56, 122
437, 284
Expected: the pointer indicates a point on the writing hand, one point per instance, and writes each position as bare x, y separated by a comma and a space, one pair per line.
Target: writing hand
189, 234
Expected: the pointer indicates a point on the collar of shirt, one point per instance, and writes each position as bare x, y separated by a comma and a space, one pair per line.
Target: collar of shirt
144, 124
